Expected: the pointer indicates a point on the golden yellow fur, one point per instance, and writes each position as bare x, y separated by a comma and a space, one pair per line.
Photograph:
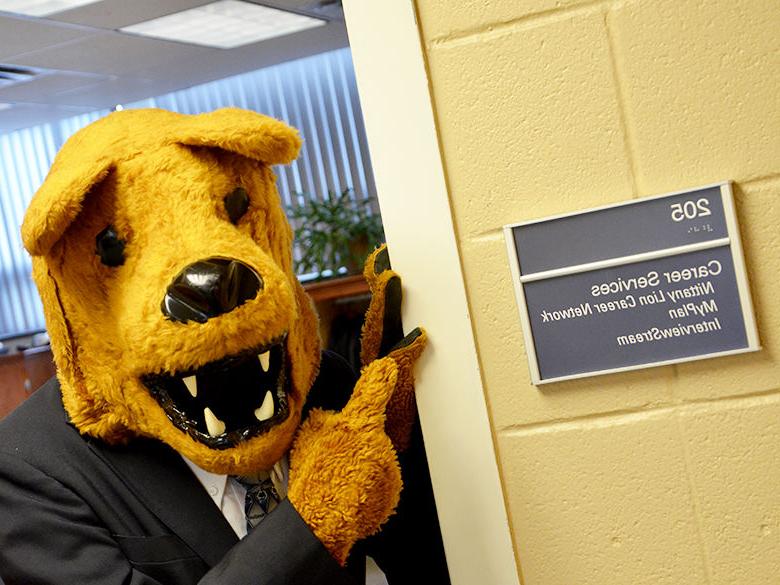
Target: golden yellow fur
161, 183
359, 480
401, 410
160, 179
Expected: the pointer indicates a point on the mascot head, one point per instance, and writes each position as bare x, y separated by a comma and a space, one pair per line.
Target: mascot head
164, 261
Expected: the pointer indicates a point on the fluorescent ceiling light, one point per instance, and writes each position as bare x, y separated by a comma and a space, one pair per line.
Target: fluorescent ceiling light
41, 7
225, 24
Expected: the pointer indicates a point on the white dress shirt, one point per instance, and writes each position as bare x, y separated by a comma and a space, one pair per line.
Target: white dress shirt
229, 495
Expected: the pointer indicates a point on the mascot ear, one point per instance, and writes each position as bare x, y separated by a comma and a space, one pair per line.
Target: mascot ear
246, 133
57, 203
86, 159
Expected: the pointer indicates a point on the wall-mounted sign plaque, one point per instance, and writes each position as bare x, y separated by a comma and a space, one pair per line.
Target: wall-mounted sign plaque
643, 283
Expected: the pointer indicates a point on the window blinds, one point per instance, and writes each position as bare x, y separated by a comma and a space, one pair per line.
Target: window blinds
317, 95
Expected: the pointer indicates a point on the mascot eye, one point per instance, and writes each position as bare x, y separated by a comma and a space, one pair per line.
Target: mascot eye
236, 204
110, 247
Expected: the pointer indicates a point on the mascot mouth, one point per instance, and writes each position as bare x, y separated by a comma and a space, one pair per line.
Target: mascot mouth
229, 400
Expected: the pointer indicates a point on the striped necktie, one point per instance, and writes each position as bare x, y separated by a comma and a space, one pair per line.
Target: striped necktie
261, 498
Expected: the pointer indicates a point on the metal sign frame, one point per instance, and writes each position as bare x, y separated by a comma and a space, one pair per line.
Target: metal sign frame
732, 241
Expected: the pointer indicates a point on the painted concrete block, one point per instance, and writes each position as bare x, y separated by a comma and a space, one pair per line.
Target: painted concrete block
701, 89
439, 20
662, 476
734, 451
603, 501
758, 209
513, 400
529, 123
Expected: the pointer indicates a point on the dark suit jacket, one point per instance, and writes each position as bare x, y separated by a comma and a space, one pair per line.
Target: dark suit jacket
74, 510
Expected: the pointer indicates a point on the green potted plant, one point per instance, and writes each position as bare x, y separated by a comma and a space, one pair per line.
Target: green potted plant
335, 233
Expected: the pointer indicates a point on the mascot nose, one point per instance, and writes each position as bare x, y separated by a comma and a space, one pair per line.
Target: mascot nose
209, 288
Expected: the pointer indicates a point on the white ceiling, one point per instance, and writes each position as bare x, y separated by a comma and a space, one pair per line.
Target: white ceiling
88, 65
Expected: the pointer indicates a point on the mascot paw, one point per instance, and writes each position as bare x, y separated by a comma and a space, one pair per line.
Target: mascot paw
383, 336
402, 408
345, 480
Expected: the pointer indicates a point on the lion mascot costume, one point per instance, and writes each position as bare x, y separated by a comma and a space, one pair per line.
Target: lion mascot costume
185, 343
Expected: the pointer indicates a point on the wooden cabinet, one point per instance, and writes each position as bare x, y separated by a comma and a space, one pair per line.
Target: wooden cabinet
21, 374
11, 382
336, 288
341, 305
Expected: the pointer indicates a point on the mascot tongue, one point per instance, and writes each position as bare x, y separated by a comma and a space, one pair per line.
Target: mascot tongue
228, 400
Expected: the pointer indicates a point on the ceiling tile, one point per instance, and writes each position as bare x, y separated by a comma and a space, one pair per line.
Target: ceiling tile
218, 64
44, 89
22, 35
91, 68
109, 93
113, 14
109, 54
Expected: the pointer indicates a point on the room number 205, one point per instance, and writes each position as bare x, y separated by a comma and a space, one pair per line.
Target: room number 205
690, 209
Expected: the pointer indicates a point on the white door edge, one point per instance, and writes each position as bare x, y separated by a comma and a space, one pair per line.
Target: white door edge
403, 142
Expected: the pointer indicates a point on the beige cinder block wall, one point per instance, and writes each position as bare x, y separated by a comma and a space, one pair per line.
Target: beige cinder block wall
662, 476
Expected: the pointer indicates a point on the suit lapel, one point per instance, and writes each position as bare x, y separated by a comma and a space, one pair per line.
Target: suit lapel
166, 486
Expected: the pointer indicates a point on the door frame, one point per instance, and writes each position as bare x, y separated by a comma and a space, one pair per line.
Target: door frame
412, 191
